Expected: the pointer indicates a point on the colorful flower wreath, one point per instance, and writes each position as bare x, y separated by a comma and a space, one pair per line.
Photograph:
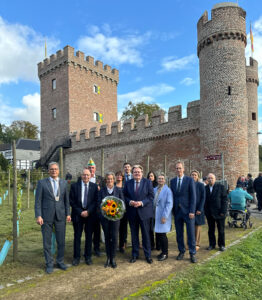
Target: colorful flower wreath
113, 208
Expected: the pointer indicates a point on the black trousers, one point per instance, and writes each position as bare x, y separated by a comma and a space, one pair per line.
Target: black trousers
123, 231
111, 229
259, 201
96, 232
153, 237
135, 223
163, 242
211, 231
87, 225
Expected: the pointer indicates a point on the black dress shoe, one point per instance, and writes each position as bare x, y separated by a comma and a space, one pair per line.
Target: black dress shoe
107, 263
210, 247
76, 261
162, 257
97, 253
113, 263
89, 261
222, 248
61, 266
149, 260
133, 259
180, 256
193, 258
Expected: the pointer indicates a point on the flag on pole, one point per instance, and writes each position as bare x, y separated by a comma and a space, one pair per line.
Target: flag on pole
252, 39
45, 50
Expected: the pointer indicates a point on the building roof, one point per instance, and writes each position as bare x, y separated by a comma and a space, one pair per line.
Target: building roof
27, 144
4, 147
23, 144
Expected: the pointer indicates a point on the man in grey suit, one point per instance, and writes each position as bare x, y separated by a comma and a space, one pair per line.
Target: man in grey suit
52, 209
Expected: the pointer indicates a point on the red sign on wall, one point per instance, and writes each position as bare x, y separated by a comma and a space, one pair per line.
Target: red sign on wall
213, 157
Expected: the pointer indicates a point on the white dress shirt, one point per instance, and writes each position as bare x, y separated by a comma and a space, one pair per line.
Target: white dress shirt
57, 184
181, 180
93, 179
110, 191
83, 191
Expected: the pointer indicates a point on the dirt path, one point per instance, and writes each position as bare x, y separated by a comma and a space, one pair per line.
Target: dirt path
96, 282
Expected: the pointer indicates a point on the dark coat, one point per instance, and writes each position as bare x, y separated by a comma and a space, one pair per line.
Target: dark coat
258, 185
200, 201
186, 197
216, 202
145, 194
45, 204
75, 197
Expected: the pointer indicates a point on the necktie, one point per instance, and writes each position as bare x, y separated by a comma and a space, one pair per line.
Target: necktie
55, 187
85, 196
137, 186
179, 184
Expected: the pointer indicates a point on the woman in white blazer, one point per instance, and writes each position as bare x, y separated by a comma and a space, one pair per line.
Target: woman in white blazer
163, 204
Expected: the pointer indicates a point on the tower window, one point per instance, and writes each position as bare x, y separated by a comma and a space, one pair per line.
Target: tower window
229, 90
54, 113
96, 89
96, 116
53, 84
254, 116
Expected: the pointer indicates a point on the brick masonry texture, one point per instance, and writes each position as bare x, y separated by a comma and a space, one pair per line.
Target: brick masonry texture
220, 122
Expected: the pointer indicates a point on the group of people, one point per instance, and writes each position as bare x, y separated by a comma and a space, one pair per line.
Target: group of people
150, 204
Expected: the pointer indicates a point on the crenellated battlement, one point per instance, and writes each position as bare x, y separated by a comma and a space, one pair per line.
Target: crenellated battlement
141, 130
67, 56
227, 23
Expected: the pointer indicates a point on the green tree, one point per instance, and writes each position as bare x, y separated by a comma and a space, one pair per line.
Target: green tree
135, 110
3, 163
25, 129
18, 129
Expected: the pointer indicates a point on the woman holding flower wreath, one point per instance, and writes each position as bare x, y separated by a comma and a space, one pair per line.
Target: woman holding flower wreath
109, 216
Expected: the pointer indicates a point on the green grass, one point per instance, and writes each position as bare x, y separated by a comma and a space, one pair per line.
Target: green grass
30, 245
236, 274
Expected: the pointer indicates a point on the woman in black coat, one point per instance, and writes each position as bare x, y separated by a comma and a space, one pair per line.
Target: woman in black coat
110, 228
200, 201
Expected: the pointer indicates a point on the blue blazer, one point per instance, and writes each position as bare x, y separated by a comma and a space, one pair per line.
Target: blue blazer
145, 194
164, 210
186, 197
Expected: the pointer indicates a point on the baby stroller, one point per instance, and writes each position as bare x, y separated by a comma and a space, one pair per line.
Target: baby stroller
239, 218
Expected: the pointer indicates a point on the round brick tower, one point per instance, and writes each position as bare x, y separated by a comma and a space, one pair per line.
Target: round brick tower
252, 84
223, 92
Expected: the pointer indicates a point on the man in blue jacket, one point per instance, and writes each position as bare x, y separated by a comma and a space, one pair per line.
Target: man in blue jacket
139, 196
184, 208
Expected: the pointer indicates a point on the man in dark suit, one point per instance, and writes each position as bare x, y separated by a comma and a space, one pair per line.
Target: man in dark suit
215, 211
52, 210
83, 199
184, 208
99, 180
127, 171
123, 223
139, 196
258, 190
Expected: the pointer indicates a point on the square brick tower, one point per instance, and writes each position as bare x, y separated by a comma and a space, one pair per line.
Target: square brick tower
76, 94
